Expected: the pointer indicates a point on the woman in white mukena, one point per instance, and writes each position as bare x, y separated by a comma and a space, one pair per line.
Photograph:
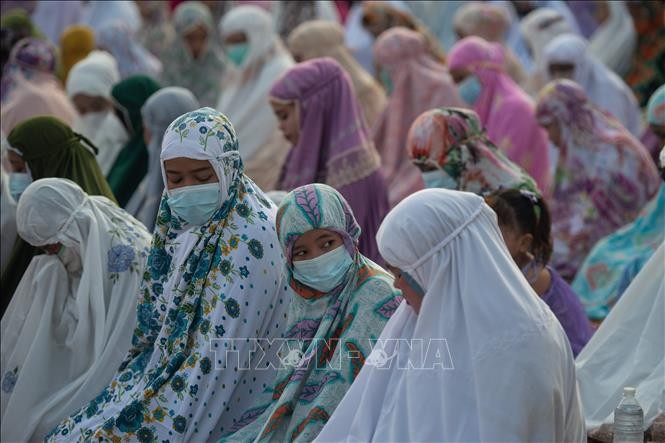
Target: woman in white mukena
483, 358
70, 321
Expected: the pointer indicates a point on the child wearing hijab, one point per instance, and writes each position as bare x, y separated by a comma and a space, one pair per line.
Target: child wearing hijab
212, 282
473, 354
72, 316
320, 115
525, 223
505, 110
43, 147
341, 301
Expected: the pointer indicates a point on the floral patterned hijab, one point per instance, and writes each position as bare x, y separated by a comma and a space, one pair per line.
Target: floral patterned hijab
203, 286
603, 178
452, 139
328, 333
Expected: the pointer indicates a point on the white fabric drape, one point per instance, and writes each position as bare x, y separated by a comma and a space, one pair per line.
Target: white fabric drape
69, 323
603, 87
627, 350
509, 371
615, 40
8, 216
95, 76
244, 97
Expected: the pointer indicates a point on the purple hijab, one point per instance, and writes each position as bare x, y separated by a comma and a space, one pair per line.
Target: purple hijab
334, 146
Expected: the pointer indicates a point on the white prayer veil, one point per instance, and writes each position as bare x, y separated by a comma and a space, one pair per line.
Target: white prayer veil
65, 333
487, 359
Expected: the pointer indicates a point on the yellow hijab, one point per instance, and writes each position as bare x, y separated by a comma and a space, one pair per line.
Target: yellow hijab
76, 42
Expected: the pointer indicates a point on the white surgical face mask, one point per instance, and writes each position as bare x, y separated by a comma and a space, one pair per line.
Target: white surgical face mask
18, 182
195, 204
93, 121
325, 272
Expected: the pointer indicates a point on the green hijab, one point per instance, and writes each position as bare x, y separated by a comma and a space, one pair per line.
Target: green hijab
51, 149
131, 165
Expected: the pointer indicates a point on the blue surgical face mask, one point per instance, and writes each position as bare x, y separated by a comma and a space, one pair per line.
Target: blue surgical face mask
195, 204
438, 178
386, 80
18, 182
325, 272
237, 52
414, 284
469, 89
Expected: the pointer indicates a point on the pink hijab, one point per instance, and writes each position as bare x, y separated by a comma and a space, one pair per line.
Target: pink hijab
504, 109
420, 83
30, 87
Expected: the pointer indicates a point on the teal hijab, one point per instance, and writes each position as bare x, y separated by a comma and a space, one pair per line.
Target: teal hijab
330, 332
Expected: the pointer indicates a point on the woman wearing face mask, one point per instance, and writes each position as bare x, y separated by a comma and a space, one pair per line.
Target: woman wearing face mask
415, 82
524, 219
30, 87
89, 86
212, 283
67, 328
43, 147
159, 111
256, 58
341, 301
568, 56
477, 356
604, 176
319, 114
195, 61
504, 109
452, 151
131, 163
616, 259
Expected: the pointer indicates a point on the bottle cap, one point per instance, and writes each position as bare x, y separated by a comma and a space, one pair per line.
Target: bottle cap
629, 391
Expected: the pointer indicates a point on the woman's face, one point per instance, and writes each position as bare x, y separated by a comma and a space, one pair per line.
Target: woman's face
85, 104
553, 132
235, 38
182, 171
196, 40
559, 70
315, 243
16, 162
287, 118
413, 298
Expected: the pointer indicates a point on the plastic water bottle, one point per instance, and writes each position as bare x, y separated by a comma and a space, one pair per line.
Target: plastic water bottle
628, 419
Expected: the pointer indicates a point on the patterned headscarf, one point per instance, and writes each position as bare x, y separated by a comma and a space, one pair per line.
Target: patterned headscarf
217, 280
603, 178
31, 59
656, 107
452, 139
329, 332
